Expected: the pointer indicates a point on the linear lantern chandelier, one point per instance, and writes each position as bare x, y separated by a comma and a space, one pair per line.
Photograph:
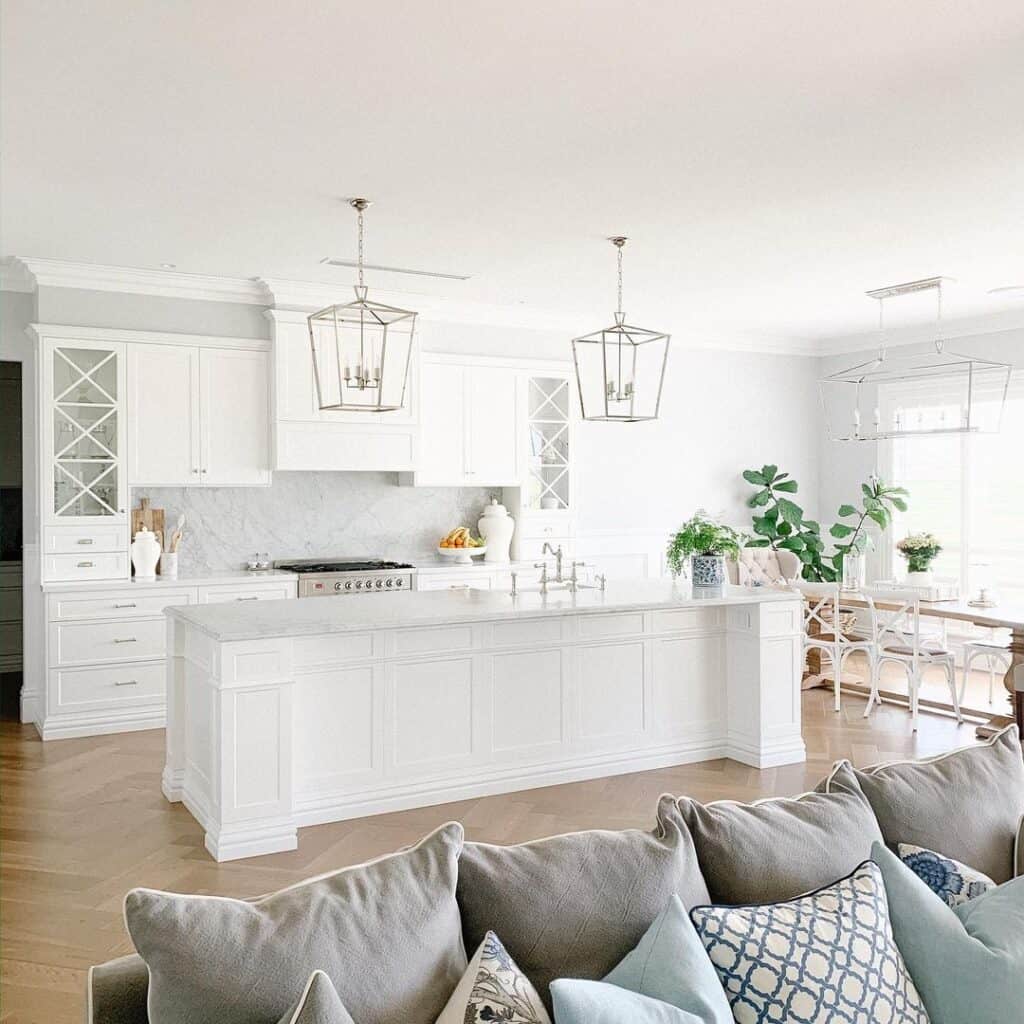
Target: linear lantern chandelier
362, 349
620, 369
906, 395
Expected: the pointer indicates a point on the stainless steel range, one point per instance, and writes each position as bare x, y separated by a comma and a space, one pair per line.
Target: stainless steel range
320, 577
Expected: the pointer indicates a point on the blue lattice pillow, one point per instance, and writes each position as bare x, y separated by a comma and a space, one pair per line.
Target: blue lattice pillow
954, 882
825, 957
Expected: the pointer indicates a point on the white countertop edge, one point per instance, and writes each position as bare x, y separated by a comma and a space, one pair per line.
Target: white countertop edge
417, 609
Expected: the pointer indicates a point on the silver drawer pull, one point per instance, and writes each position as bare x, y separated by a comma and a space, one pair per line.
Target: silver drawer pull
127, 682
127, 640
130, 604
255, 597
84, 540
85, 565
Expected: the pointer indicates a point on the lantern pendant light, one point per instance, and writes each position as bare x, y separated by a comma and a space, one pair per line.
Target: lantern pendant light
361, 350
620, 369
917, 393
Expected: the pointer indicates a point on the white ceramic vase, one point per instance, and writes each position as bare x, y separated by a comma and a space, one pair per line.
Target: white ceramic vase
145, 554
496, 527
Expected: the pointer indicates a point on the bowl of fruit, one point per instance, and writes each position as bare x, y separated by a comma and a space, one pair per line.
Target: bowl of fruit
461, 545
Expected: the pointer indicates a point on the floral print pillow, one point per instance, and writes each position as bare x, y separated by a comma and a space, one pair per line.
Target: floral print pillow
494, 991
953, 882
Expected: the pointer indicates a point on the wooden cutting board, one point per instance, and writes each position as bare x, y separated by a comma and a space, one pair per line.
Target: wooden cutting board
146, 517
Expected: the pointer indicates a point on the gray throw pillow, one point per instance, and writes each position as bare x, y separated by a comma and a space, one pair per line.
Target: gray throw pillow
387, 934
573, 906
967, 803
318, 1004
777, 849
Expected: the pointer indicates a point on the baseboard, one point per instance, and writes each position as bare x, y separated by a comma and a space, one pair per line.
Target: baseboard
318, 810
31, 706
66, 727
770, 755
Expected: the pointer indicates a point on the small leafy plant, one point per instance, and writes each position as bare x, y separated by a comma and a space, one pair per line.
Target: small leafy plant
701, 535
877, 502
920, 550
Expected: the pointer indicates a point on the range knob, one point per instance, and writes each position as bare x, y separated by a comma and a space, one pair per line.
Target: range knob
390, 583
379, 584
399, 583
337, 586
348, 586
359, 584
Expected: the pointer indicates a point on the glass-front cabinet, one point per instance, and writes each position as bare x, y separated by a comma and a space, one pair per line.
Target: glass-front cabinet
548, 483
84, 429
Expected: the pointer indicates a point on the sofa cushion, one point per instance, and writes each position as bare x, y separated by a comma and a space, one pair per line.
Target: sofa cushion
968, 961
778, 848
116, 992
494, 989
387, 934
668, 977
826, 956
954, 883
967, 803
575, 905
319, 1003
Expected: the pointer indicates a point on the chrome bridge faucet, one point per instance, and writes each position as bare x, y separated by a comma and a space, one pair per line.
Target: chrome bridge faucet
557, 552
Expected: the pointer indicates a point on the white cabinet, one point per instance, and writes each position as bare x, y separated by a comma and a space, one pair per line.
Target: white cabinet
163, 402
469, 423
304, 437
199, 416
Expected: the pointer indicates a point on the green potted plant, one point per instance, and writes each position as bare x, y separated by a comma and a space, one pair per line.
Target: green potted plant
706, 543
920, 550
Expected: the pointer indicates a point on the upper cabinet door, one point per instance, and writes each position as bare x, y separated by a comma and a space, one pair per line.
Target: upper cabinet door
492, 429
163, 415
234, 404
443, 448
83, 392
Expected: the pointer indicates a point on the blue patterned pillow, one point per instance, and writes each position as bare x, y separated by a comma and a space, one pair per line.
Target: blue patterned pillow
825, 957
954, 882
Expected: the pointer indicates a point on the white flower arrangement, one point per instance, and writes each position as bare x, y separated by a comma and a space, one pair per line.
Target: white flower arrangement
920, 550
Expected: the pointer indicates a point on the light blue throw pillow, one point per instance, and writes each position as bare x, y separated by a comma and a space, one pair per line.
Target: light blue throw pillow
667, 979
968, 961
954, 882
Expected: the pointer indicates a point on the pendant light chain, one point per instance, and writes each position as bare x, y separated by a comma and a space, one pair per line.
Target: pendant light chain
359, 254
619, 310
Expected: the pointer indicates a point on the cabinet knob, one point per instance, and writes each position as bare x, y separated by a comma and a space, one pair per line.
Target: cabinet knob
202, 471
195, 470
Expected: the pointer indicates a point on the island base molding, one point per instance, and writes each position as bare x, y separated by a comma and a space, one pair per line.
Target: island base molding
269, 735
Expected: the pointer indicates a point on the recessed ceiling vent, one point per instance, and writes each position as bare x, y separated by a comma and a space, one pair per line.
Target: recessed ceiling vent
331, 262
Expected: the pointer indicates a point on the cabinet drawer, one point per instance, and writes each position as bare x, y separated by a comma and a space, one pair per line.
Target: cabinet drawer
109, 685
90, 643
118, 605
265, 592
89, 565
454, 583
553, 529
83, 540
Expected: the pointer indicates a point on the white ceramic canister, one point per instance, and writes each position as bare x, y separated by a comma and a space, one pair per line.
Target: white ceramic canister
145, 554
496, 527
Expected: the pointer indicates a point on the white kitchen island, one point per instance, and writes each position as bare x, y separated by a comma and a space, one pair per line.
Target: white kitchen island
283, 714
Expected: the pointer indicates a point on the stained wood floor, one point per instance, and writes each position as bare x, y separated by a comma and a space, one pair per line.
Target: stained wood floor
83, 821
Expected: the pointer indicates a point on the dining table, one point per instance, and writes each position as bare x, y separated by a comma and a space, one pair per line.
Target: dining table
1002, 615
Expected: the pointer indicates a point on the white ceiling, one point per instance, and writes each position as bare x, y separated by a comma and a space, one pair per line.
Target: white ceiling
770, 161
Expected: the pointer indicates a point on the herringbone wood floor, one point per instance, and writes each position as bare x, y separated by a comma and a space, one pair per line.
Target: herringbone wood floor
83, 821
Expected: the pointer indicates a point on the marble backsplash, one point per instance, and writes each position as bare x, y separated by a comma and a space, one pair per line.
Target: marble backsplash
313, 515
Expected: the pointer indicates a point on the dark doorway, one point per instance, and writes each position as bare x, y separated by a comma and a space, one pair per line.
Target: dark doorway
10, 540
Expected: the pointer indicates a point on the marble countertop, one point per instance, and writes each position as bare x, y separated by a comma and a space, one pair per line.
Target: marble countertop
319, 616
226, 576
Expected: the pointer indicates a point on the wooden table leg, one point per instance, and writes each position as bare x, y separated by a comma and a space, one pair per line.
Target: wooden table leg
1014, 679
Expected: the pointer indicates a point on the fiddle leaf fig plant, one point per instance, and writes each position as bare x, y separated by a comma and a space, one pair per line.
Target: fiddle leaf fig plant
782, 525
701, 535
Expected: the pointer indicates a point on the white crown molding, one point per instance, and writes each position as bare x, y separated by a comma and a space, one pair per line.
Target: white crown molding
50, 273
916, 334
15, 278
64, 332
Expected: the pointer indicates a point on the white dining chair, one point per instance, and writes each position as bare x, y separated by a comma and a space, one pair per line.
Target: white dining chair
896, 631
997, 656
821, 611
